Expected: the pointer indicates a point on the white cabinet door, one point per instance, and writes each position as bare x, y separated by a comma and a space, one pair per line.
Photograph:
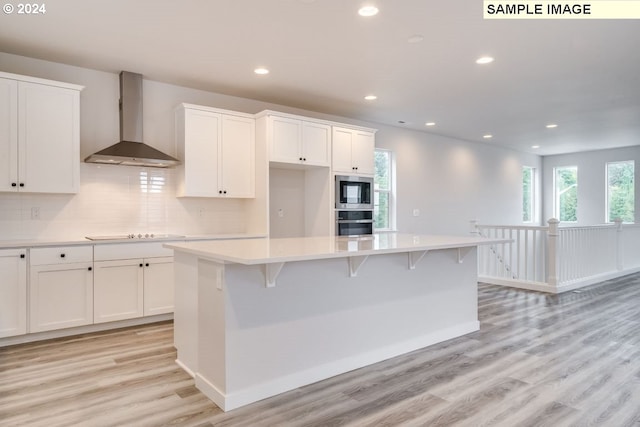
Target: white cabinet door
199, 146
362, 152
238, 157
8, 135
118, 290
48, 138
316, 144
299, 142
13, 292
353, 151
217, 151
285, 140
342, 150
158, 286
60, 296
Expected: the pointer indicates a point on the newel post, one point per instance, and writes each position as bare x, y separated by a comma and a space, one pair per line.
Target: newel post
619, 254
473, 229
552, 252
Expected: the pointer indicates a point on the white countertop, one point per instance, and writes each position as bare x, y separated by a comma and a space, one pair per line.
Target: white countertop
266, 251
81, 240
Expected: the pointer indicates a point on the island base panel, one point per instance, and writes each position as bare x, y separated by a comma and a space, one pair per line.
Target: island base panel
317, 322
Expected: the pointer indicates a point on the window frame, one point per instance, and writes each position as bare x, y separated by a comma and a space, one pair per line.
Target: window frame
391, 192
607, 189
532, 194
556, 196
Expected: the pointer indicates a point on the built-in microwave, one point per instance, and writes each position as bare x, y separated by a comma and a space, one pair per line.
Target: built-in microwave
354, 192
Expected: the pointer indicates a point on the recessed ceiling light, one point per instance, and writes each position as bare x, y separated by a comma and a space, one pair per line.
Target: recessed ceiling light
552, 126
416, 38
430, 124
401, 122
370, 97
484, 60
487, 136
535, 146
368, 11
261, 71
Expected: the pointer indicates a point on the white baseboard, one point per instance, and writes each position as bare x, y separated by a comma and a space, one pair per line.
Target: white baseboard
185, 368
519, 284
229, 401
562, 287
60, 333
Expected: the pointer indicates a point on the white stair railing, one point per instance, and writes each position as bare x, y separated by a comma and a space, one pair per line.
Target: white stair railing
553, 258
522, 259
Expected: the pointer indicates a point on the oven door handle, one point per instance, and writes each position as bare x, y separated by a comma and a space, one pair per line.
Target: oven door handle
354, 221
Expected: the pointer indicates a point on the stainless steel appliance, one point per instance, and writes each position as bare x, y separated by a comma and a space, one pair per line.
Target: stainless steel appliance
131, 151
354, 222
354, 192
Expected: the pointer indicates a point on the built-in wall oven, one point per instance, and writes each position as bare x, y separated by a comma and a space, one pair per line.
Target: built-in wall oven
354, 222
354, 205
354, 192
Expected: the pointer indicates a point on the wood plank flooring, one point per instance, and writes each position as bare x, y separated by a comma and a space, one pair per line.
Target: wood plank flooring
538, 360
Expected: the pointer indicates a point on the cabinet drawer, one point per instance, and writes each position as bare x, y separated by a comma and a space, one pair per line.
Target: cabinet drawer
61, 255
108, 252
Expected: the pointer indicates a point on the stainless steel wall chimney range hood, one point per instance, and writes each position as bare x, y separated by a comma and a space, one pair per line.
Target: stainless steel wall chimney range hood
131, 151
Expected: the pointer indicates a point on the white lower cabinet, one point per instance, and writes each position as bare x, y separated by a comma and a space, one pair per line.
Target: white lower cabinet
158, 286
13, 292
118, 290
60, 288
132, 280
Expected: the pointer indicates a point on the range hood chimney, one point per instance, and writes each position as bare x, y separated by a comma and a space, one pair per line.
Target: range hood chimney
131, 151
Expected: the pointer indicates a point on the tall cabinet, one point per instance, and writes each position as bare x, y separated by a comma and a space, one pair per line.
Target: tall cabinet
39, 135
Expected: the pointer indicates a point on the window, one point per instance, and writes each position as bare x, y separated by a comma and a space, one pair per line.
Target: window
566, 193
620, 191
528, 191
383, 190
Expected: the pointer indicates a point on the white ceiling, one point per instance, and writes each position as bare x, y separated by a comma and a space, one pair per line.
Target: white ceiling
583, 75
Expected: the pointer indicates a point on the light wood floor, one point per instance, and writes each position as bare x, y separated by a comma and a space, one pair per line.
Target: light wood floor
538, 360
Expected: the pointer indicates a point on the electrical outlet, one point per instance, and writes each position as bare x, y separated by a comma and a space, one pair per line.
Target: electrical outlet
201, 212
416, 212
35, 213
281, 213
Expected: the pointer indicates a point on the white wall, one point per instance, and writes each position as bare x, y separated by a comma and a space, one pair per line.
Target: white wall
592, 187
450, 181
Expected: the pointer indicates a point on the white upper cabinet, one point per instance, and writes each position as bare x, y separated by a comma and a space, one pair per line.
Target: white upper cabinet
39, 135
297, 141
353, 151
217, 150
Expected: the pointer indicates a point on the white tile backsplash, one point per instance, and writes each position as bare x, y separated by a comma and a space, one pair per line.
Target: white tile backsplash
118, 200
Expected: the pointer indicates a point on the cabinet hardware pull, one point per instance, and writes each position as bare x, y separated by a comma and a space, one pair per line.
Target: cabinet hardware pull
22, 184
90, 268
13, 184
141, 265
146, 265
62, 255
219, 191
225, 191
300, 159
22, 255
304, 159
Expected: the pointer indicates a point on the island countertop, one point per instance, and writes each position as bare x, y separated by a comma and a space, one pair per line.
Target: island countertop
279, 250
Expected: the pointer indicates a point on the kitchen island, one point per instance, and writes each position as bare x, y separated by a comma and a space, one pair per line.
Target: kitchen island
255, 318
